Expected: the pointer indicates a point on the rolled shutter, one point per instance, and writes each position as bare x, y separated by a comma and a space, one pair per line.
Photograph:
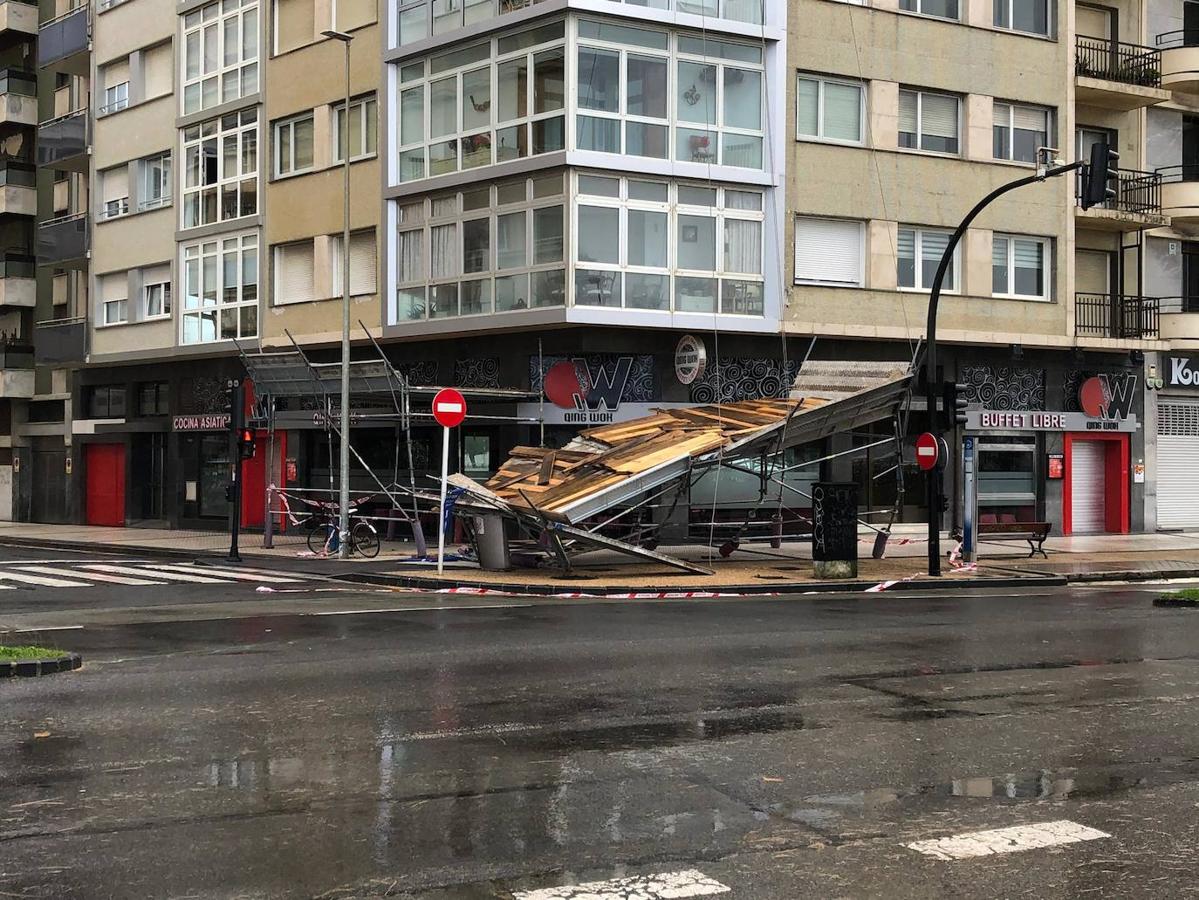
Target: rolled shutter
294, 273
907, 112
828, 251
363, 263
939, 115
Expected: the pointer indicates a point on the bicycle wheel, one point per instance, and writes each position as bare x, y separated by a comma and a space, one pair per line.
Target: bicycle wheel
319, 536
364, 540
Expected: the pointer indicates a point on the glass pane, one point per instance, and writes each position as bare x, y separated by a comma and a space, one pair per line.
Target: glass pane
599, 186
653, 191
625, 34
410, 304
547, 235
476, 99
443, 300
599, 234
646, 87
598, 134
648, 241
1029, 268
599, 79
742, 298
647, 291
697, 196
412, 116
443, 158
549, 135
409, 256
932, 248
510, 241
303, 143
843, 112
444, 251
697, 243
513, 90
476, 150
414, 25
695, 294
808, 114
999, 270
697, 93
443, 107
742, 150
597, 288
476, 246
742, 98
646, 140
412, 165
743, 246
512, 143
549, 81
549, 288
511, 292
695, 146
1031, 16
475, 297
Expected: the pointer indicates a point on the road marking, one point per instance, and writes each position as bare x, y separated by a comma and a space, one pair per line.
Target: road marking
1007, 840
406, 609
42, 580
167, 576
91, 576
220, 573
688, 883
46, 628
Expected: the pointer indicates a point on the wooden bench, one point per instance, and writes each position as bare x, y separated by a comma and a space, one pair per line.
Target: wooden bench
1033, 532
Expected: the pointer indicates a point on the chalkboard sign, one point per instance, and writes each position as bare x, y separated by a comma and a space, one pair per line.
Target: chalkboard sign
835, 521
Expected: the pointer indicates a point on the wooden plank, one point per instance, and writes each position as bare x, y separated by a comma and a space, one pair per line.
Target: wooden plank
547, 467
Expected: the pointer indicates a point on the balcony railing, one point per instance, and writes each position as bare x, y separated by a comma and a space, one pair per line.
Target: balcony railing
1115, 316
1117, 61
60, 341
63, 139
66, 36
62, 240
17, 265
18, 81
1185, 37
1185, 304
16, 355
15, 172
1137, 192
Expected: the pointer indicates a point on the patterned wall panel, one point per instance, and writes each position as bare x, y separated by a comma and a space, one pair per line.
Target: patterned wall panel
419, 372
477, 372
1004, 387
735, 378
641, 386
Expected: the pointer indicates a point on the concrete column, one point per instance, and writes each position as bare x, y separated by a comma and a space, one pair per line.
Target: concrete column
137, 77
979, 114
323, 265
884, 114
322, 137
881, 274
976, 252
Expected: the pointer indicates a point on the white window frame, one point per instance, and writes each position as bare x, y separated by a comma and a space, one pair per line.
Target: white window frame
337, 257
114, 209
821, 81
165, 182
860, 281
164, 292
1049, 16
721, 129
1046, 255
918, 274
919, 11
242, 247
235, 74
116, 98
1011, 128
121, 305
370, 113
920, 95
285, 136
241, 127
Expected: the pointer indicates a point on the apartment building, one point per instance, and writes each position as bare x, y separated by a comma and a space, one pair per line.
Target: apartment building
906, 113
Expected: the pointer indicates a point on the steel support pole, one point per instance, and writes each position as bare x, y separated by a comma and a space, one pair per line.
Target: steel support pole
343, 525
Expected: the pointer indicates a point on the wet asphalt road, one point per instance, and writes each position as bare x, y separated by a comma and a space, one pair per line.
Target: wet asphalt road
785, 748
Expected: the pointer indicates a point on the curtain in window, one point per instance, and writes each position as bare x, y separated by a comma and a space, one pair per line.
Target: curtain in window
444, 247
409, 257
843, 112
743, 247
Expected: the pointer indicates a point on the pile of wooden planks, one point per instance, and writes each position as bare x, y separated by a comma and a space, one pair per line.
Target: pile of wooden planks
605, 456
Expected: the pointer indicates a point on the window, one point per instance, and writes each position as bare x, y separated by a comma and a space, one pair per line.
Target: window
116, 98
114, 192
115, 312
293, 145
220, 159
919, 252
623, 90
719, 103
490, 248
1020, 267
1020, 131
220, 289
114, 208
928, 121
942, 9
449, 120
294, 272
156, 182
829, 251
106, 402
364, 263
153, 399
1031, 16
220, 58
657, 246
156, 300
364, 123
830, 110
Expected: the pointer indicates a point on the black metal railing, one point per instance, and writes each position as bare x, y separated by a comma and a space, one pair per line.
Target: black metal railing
1137, 192
1184, 304
1174, 174
1184, 37
1115, 316
1118, 61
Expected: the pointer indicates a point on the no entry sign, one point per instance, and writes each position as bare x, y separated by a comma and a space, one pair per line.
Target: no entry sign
449, 408
928, 451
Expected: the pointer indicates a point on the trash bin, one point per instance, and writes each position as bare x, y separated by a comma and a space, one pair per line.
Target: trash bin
492, 540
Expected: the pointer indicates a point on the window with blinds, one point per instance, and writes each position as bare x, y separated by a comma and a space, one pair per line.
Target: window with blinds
114, 192
294, 273
942, 9
1020, 267
829, 251
929, 121
114, 290
1020, 131
363, 263
918, 255
829, 109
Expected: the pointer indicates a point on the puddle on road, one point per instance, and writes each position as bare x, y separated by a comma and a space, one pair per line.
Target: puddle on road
660, 734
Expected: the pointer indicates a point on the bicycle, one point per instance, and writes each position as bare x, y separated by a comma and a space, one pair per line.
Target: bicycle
364, 538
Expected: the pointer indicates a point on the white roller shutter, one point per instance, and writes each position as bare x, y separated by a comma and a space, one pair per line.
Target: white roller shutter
828, 251
1177, 453
294, 264
1087, 487
364, 265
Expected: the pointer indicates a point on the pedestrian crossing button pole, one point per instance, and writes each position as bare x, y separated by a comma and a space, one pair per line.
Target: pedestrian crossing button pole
449, 409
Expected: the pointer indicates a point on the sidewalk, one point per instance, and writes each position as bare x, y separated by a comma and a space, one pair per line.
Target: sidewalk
753, 569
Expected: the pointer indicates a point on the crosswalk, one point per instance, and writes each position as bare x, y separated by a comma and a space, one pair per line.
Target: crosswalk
131, 573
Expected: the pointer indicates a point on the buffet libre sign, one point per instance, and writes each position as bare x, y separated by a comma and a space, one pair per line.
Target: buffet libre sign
1006, 420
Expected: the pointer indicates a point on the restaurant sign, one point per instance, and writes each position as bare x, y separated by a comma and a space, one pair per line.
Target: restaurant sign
207, 422
1007, 420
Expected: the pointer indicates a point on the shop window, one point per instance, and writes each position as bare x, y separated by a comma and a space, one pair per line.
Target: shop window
1007, 480
152, 399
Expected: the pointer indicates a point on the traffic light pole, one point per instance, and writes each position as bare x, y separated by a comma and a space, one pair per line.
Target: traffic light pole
936, 479
237, 419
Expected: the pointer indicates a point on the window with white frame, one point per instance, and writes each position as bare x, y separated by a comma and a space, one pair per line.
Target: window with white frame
114, 307
220, 177
156, 300
648, 244
449, 120
156, 184
220, 289
294, 145
490, 248
115, 312
114, 192
830, 109
941, 9
1030, 16
295, 267
718, 102
364, 263
363, 130
929, 121
220, 57
919, 252
623, 91
1020, 130
829, 251
116, 98
1020, 266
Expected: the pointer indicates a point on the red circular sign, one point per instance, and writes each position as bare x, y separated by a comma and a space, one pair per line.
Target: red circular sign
449, 408
928, 451
1093, 398
564, 386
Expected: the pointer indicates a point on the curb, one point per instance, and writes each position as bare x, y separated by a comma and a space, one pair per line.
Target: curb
32, 668
1155, 575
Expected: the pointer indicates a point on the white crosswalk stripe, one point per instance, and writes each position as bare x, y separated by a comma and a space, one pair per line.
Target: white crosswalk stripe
41, 580
237, 575
91, 576
1013, 839
166, 576
675, 885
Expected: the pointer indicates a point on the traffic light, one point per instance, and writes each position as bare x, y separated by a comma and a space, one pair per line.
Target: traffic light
245, 443
953, 396
1098, 177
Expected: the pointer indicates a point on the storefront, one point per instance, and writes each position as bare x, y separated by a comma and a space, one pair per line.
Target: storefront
1177, 386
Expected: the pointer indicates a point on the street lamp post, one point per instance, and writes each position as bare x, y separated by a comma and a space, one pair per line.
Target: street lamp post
343, 521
